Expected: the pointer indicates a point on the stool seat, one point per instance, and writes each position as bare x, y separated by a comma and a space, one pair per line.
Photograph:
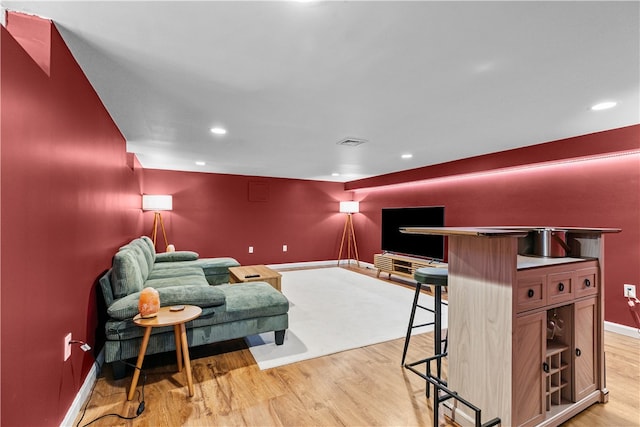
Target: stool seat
431, 276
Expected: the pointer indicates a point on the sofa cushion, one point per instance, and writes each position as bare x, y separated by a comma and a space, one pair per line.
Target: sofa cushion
149, 248
140, 257
163, 282
209, 265
202, 296
145, 247
148, 253
212, 266
126, 277
162, 273
250, 300
177, 256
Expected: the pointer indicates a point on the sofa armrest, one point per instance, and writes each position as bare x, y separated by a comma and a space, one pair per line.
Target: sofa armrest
177, 256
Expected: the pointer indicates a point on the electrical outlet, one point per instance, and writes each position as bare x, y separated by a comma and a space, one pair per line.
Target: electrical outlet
250, 249
629, 291
67, 346
284, 248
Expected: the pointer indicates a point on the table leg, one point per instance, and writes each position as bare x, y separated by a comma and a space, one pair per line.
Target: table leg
178, 339
185, 354
136, 372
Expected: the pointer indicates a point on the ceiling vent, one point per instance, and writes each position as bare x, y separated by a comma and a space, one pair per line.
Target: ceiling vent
351, 142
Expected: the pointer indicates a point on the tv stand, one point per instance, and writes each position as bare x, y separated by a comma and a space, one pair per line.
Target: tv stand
401, 265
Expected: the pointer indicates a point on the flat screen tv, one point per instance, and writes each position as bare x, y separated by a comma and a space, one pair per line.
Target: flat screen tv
419, 245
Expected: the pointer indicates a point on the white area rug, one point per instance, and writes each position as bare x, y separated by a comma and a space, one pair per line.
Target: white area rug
332, 310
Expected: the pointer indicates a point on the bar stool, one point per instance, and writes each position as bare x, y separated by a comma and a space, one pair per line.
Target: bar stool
436, 277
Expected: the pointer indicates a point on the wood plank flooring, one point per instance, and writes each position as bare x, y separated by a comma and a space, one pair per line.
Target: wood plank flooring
361, 387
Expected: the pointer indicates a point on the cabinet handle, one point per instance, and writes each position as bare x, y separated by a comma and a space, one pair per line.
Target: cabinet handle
578, 352
587, 283
530, 293
545, 367
561, 286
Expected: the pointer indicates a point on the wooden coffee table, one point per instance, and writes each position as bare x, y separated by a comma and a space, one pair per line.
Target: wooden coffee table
255, 273
167, 317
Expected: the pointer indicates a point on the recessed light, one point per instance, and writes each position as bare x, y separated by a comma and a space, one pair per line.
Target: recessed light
200, 163
407, 156
335, 174
218, 131
604, 105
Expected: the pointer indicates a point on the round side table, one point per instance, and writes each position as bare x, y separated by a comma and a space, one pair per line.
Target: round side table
167, 317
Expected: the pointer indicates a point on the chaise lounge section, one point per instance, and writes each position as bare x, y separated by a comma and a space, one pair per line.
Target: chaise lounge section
228, 311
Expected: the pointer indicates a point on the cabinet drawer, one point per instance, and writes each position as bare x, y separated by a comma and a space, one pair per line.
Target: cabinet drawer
531, 292
586, 281
382, 262
560, 287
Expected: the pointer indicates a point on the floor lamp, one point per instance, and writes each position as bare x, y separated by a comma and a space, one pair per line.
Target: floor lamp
157, 203
349, 208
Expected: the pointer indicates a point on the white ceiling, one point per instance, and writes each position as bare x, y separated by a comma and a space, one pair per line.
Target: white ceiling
288, 80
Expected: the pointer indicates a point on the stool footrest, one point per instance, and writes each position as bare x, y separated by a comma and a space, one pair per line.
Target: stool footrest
429, 309
423, 324
441, 386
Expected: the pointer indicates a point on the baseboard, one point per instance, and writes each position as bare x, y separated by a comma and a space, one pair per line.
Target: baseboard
84, 392
309, 264
327, 263
622, 329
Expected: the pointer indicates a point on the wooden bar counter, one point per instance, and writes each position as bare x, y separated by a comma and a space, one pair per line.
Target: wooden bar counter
501, 356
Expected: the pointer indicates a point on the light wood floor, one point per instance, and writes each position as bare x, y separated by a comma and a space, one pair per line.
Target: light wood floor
361, 387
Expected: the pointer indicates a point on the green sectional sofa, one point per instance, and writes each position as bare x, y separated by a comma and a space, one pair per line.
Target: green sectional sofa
228, 311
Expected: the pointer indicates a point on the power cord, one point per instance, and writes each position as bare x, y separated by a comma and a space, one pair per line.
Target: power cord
139, 411
85, 347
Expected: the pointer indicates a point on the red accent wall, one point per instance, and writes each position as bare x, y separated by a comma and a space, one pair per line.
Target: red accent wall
222, 215
591, 192
68, 201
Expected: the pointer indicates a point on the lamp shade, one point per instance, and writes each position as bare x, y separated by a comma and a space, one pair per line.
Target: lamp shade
157, 202
350, 207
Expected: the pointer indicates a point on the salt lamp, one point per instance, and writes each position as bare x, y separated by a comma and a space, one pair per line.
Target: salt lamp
149, 303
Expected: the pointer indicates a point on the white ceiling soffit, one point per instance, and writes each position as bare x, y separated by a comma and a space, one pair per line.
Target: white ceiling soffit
439, 80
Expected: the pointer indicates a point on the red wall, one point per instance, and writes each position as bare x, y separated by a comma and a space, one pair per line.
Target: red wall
593, 192
222, 215
69, 200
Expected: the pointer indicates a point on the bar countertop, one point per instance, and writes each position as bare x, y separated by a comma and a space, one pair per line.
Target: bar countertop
496, 231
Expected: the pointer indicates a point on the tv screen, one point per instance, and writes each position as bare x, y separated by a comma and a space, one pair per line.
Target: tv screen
420, 245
